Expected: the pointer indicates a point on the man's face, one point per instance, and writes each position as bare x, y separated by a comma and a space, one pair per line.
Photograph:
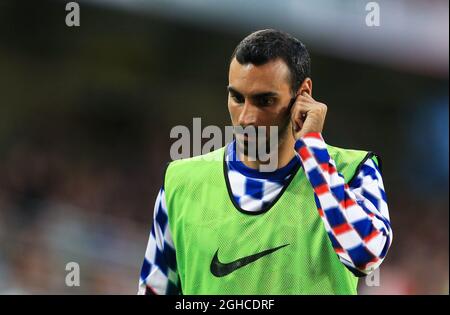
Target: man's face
259, 96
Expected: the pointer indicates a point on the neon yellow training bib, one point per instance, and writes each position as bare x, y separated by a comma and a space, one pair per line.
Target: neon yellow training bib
221, 250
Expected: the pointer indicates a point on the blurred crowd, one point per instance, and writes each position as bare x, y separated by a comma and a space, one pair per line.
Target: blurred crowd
54, 213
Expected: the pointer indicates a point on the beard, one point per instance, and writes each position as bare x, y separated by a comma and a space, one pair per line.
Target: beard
260, 144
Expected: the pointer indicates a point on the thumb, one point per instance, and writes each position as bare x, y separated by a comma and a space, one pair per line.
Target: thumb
306, 94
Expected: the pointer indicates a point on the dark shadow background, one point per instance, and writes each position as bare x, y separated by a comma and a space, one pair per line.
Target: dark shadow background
85, 117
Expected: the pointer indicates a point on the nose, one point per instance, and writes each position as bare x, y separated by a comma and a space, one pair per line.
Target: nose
247, 117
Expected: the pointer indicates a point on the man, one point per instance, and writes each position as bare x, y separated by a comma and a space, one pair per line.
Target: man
312, 226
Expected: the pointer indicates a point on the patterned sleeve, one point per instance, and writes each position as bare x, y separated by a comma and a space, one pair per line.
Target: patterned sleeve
159, 270
355, 215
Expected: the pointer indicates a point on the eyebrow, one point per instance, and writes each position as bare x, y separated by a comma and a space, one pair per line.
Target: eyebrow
257, 95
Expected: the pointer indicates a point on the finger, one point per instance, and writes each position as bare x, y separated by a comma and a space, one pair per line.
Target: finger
294, 111
297, 125
306, 98
304, 104
297, 118
307, 95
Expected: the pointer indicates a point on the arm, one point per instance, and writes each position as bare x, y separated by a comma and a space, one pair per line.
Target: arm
355, 216
159, 270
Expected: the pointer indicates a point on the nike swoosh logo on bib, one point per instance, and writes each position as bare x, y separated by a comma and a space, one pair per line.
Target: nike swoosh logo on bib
220, 269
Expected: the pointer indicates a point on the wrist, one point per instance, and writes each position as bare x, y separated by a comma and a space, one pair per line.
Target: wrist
310, 135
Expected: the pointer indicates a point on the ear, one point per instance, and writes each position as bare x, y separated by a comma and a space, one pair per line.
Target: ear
306, 86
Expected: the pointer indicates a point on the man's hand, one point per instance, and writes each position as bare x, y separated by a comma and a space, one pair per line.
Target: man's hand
307, 115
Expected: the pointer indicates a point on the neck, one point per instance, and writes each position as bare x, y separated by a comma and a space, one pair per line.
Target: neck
285, 154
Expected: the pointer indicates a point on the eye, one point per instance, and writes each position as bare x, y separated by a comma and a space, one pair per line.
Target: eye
266, 101
237, 98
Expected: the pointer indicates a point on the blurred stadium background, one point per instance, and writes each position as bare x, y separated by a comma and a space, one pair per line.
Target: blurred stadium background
85, 116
